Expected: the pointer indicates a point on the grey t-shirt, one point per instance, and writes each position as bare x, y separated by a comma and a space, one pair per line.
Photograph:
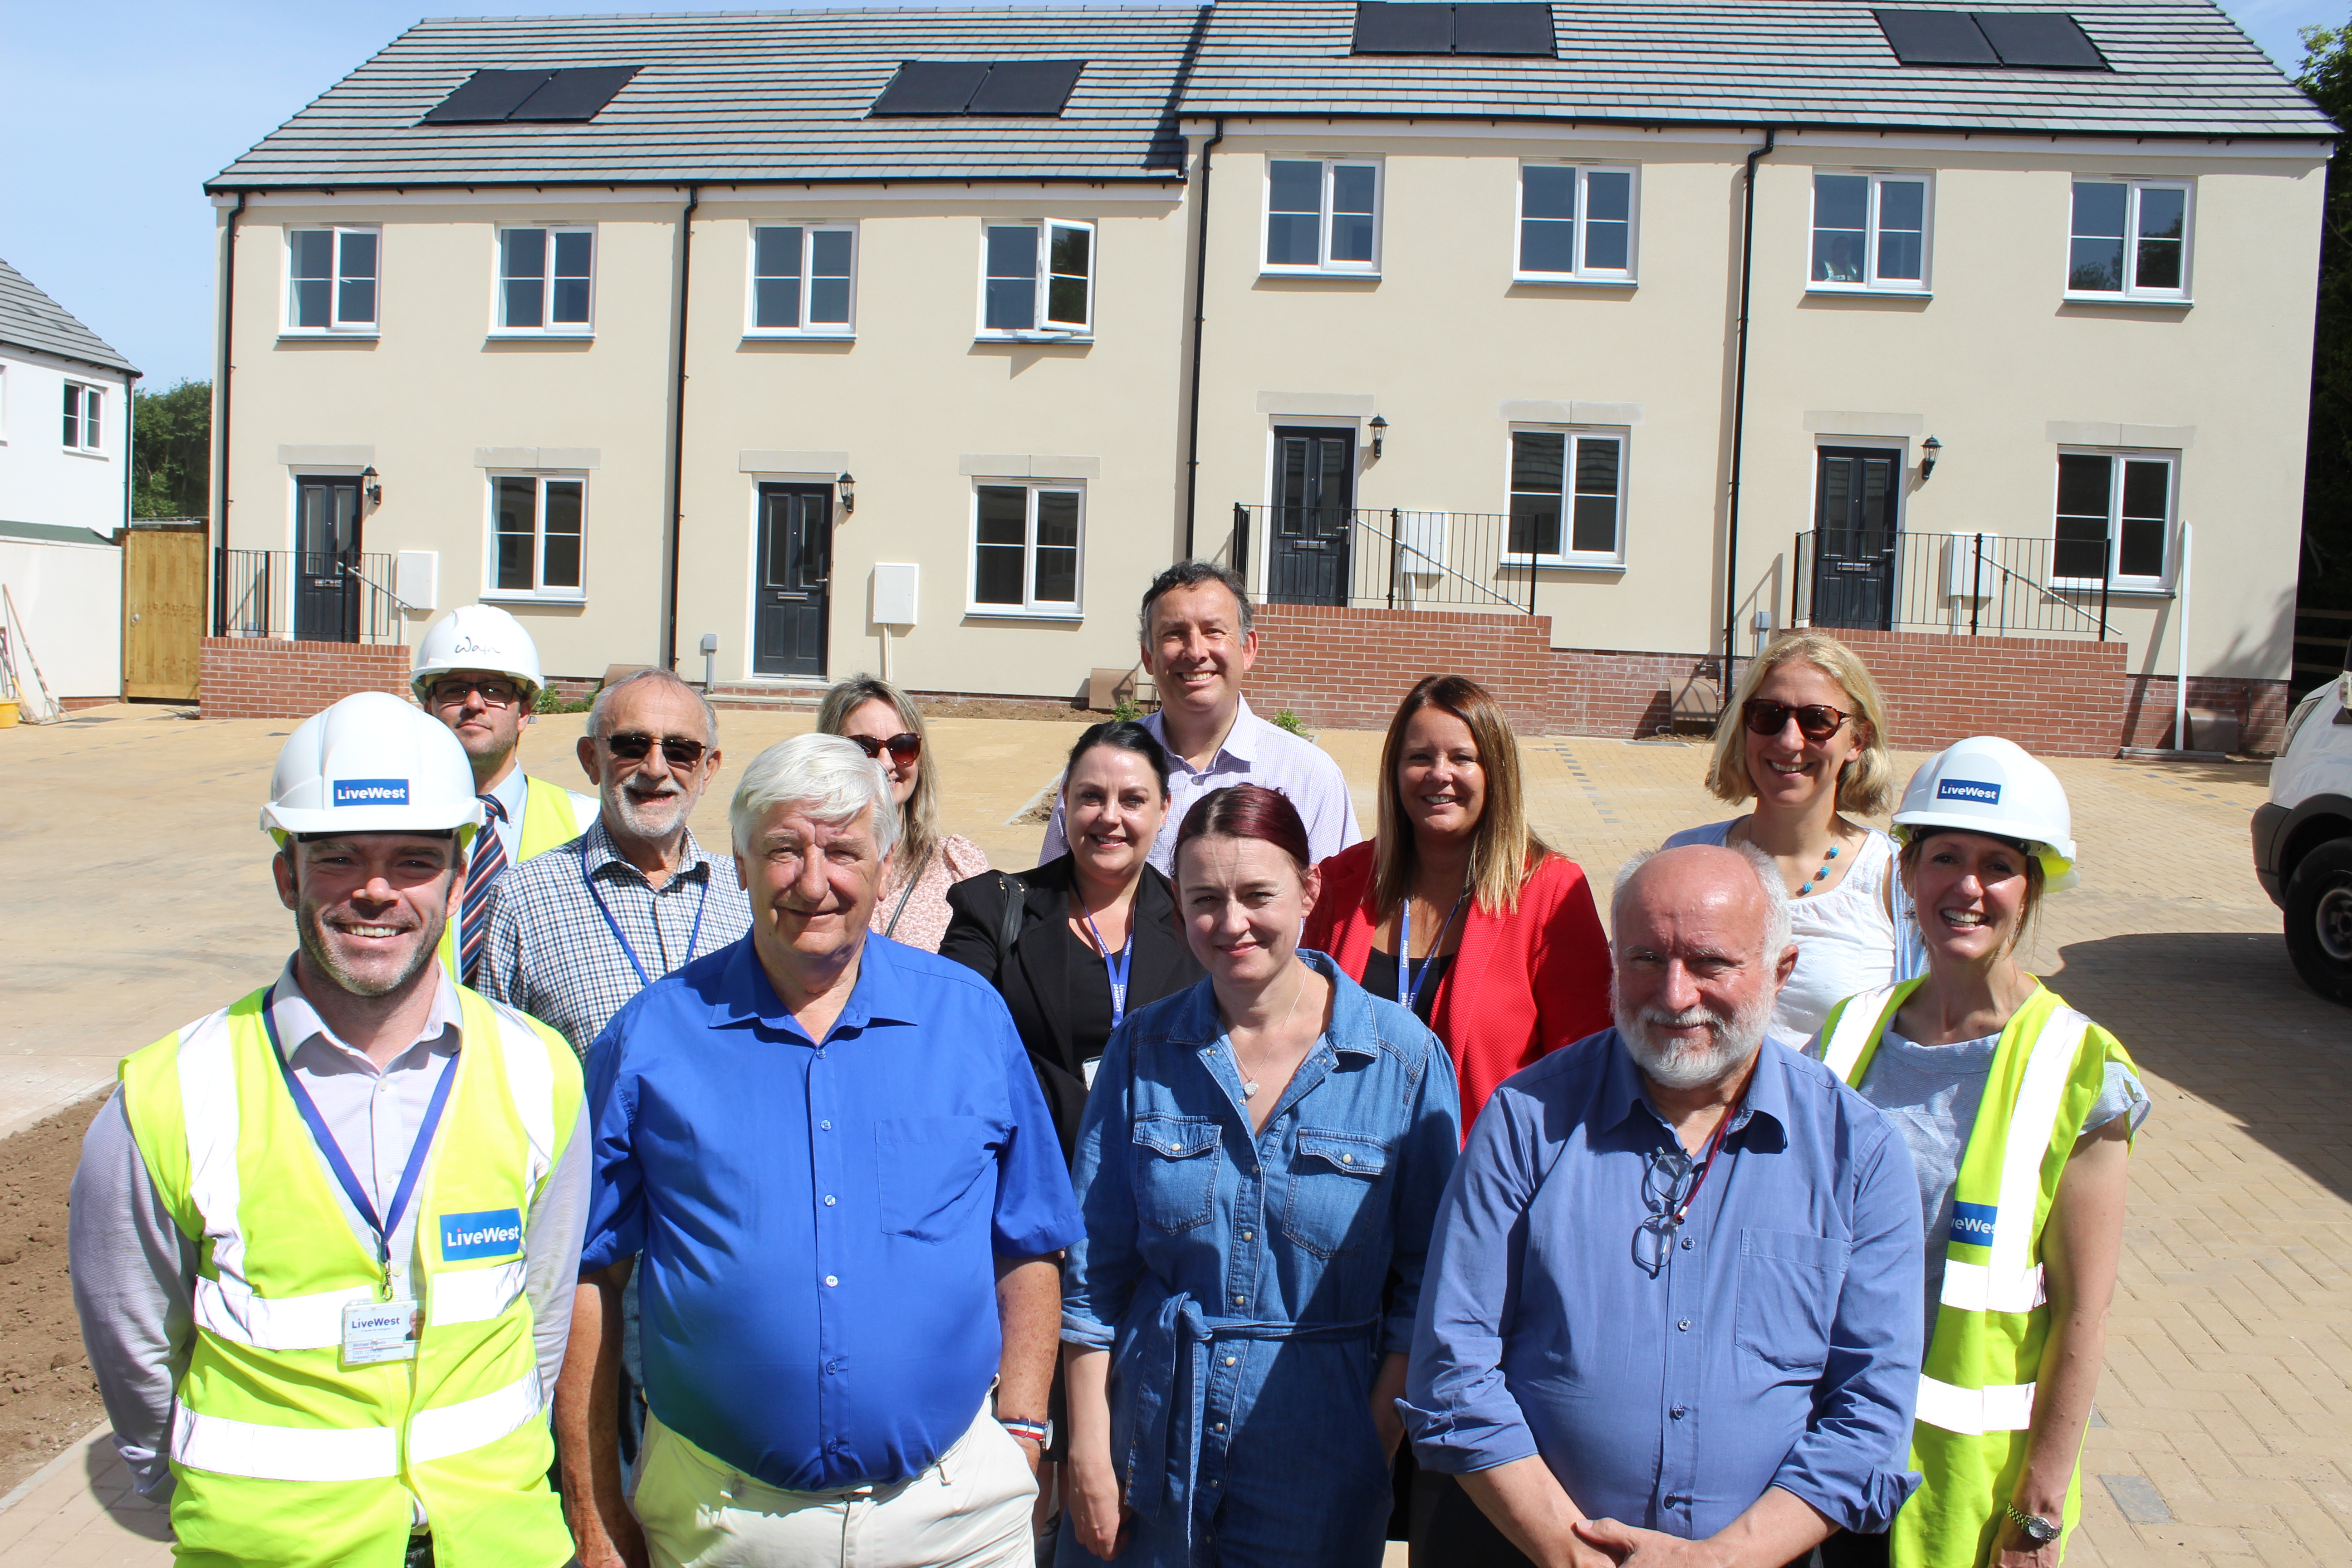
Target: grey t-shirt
1932, 1094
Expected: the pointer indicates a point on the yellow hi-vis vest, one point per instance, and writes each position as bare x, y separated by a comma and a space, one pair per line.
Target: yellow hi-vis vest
547, 820
283, 1455
1976, 1386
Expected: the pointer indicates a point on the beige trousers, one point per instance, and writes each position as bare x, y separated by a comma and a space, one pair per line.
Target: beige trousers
970, 1509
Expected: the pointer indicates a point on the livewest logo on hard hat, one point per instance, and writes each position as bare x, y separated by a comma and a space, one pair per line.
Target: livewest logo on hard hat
371, 792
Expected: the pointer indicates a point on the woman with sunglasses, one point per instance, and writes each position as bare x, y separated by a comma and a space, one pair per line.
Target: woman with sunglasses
1804, 739
913, 905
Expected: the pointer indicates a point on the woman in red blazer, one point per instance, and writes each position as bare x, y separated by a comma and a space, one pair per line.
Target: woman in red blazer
1504, 954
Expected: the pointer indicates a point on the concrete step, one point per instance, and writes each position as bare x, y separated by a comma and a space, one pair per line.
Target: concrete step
765, 698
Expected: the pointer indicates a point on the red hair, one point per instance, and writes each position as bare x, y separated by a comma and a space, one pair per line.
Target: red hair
1247, 811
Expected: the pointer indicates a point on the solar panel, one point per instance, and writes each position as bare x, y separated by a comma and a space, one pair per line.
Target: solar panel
1936, 38
930, 86
2044, 40
1405, 27
487, 94
580, 92
1503, 27
1026, 87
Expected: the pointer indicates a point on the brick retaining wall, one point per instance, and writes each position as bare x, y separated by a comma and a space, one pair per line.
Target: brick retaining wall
266, 678
2259, 707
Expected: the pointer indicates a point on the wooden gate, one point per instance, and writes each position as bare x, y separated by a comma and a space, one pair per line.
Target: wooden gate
162, 611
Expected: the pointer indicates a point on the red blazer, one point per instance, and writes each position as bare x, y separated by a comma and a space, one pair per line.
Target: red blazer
1538, 976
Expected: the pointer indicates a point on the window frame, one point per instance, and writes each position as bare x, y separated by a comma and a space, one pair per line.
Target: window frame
810, 228
540, 594
336, 326
2116, 580
1031, 607
1567, 556
89, 392
1042, 328
499, 327
2132, 293
1920, 287
1324, 265
1627, 276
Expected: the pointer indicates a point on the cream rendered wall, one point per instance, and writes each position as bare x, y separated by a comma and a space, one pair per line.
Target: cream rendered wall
41, 480
71, 596
914, 394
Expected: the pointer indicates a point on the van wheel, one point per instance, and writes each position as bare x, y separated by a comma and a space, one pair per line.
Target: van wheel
2319, 919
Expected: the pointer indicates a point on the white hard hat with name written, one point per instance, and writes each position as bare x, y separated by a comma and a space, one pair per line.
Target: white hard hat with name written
371, 763
475, 637
1988, 784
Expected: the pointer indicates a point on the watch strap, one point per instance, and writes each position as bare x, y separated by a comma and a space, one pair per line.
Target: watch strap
2039, 1530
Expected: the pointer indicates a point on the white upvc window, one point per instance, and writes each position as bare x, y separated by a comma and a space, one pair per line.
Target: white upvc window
547, 280
804, 280
2116, 514
538, 537
1037, 278
1870, 232
1576, 225
85, 417
1026, 554
1568, 496
2129, 240
1323, 214
330, 279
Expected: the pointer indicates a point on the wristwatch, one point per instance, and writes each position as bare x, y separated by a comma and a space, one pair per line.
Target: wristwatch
2038, 1530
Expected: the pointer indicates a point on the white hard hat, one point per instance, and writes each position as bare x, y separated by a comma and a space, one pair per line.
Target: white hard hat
1988, 784
475, 637
371, 763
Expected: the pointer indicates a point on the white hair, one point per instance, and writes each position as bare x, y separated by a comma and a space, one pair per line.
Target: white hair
831, 778
1777, 936
600, 711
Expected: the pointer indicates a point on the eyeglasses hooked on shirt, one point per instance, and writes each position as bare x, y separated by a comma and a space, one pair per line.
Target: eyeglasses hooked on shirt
634, 745
904, 747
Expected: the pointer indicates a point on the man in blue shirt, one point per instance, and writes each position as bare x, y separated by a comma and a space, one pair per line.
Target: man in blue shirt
1672, 1313
848, 1196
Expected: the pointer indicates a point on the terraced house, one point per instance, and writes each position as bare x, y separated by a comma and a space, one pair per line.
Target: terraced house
1579, 345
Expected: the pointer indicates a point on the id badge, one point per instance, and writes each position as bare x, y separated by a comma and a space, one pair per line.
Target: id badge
1091, 1069
377, 1332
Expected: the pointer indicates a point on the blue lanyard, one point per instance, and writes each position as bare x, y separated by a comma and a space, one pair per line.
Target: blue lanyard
386, 1227
1119, 968
1407, 994
692, 940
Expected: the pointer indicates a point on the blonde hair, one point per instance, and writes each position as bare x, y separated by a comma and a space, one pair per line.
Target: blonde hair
1504, 850
919, 819
1867, 784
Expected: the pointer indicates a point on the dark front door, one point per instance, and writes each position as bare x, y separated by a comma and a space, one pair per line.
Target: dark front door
326, 559
796, 572
1313, 512
1854, 535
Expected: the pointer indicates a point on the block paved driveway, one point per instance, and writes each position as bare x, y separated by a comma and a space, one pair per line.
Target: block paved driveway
139, 896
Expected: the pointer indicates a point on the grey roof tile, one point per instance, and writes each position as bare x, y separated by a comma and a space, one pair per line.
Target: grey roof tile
31, 320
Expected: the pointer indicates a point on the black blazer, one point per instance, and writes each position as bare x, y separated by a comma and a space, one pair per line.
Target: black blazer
1035, 982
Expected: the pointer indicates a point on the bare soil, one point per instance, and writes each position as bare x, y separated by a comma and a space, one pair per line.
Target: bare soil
47, 1398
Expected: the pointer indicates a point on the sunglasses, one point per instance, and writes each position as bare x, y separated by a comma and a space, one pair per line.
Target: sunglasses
1816, 721
633, 745
904, 747
497, 694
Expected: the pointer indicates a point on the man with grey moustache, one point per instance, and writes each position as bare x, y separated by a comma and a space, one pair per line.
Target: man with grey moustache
1672, 1313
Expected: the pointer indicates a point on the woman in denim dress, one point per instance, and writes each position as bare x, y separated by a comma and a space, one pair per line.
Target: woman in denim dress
1259, 1165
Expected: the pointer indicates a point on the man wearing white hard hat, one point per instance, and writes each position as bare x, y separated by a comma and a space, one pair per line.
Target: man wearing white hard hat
477, 672
324, 1240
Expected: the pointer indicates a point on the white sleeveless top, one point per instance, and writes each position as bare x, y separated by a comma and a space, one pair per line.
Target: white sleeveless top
1846, 942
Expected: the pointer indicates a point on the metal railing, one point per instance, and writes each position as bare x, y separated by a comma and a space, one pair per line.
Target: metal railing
1384, 558
308, 596
1969, 584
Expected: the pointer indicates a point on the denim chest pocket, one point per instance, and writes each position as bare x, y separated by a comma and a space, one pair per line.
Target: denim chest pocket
928, 1173
1176, 1171
1788, 1289
1337, 1193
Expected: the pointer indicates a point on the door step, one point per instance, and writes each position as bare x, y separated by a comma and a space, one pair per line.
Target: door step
766, 699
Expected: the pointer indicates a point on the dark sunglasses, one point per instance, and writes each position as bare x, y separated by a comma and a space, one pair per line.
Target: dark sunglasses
1816, 721
632, 745
904, 747
496, 692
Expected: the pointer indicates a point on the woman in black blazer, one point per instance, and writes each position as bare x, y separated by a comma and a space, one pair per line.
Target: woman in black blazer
1096, 936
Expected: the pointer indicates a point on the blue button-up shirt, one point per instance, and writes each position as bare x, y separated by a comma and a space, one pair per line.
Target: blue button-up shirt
1778, 1345
820, 1220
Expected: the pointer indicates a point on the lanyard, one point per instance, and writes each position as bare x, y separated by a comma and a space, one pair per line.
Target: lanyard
386, 1227
1117, 968
1409, 981
696, 937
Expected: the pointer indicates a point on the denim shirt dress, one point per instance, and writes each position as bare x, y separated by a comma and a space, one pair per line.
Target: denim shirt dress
1249, 1284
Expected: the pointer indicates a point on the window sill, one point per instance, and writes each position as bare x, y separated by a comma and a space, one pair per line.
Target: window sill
1560, 280
497, 596
530, 337
1568, 563
1011, 613
2115, 590
2131, 301
988, 337
1326, 274
848, 335
84, 452
1865, 291
325, 335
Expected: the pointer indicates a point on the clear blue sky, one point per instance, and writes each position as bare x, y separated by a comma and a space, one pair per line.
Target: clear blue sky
115, 114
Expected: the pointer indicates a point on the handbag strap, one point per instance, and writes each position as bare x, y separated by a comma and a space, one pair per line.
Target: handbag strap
1008, 929
892, 929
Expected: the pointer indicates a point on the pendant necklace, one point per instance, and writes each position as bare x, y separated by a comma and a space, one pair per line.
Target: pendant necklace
1818, 878
1249, 1080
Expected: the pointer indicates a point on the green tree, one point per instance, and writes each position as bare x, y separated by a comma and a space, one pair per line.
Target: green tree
2326, 567
172, 451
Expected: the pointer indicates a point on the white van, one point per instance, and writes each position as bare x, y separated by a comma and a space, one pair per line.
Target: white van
2303, 837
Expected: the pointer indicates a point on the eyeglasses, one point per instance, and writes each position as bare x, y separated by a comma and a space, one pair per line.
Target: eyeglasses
633, 745
904, 747
496, 691
1663, 1190
1816, 721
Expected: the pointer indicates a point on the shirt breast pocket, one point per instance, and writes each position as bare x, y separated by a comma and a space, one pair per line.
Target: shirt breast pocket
1338, 1184
928, 1171
1175, 1171
1788, 1289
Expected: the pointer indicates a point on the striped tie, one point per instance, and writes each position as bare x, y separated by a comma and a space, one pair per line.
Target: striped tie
489, 862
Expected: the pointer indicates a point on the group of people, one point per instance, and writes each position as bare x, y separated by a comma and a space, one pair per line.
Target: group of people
1223, 1189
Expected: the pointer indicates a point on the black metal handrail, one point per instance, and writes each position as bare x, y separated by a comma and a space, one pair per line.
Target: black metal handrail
1384, 558
1970, 585
309, 596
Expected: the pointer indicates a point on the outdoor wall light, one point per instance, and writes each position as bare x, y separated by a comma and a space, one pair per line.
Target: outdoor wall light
1929, 450
374, 489
849, 493
1379, 429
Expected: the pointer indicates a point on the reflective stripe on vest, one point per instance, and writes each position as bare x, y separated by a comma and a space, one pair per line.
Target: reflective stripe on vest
247, 1448
1973, 1412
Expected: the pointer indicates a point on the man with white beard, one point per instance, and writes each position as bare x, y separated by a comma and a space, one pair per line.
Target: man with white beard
1672, 1310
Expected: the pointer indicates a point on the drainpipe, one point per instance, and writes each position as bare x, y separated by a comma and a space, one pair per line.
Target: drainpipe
1739, 409
220, 398
677, 429
1200, 316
